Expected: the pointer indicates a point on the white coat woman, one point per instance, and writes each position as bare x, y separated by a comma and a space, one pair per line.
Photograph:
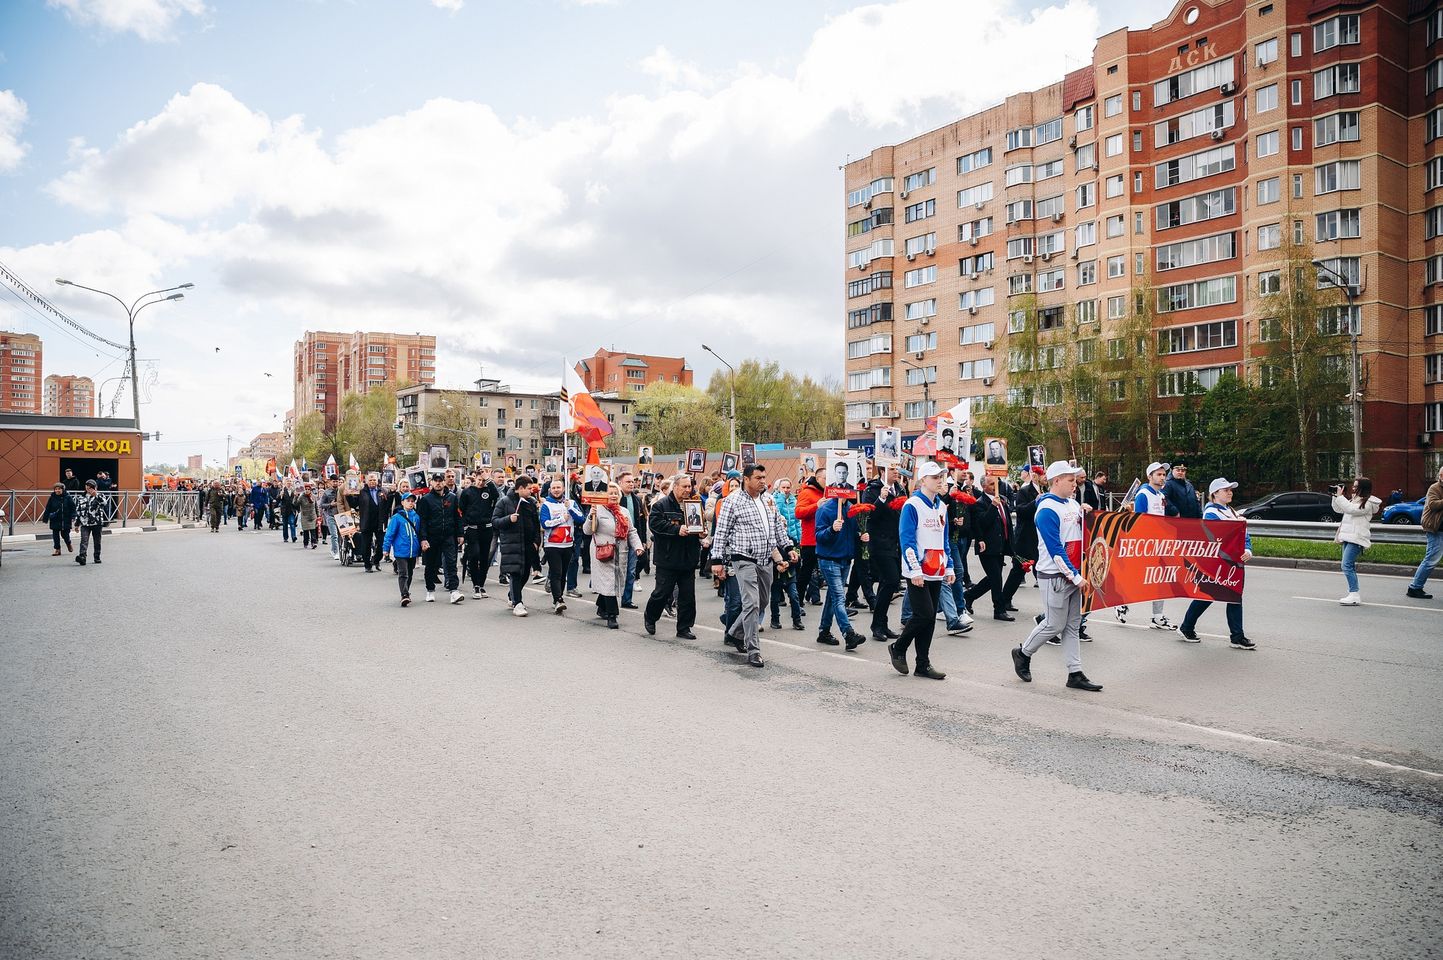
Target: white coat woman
608, 526
1354, 533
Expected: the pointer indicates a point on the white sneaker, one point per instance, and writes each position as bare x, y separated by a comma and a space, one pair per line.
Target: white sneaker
965, 617
559, 606
1351, 600
457, 596
477, 595
430, 597
1162, 623
519, 610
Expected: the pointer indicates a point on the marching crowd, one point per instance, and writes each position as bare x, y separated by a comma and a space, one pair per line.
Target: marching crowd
941, 540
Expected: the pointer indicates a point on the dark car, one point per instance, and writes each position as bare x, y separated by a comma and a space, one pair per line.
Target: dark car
1293, 505
1405, 512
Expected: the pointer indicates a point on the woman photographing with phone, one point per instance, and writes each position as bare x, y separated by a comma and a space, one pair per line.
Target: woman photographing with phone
1358, 510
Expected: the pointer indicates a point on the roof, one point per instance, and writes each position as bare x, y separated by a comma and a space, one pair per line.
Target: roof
1077, 86
634, 362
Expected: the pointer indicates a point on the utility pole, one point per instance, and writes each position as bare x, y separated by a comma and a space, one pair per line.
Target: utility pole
733, 395
1355, 393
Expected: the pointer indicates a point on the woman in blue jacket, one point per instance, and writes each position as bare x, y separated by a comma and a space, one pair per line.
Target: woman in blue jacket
403, 543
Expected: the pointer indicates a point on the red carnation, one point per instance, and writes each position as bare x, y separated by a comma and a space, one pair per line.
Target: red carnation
860, 508
896, 504
963, 497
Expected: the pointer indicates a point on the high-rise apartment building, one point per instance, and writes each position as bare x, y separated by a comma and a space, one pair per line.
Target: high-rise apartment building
1169, 180
21, 356
328, 366
69, 396
611, 371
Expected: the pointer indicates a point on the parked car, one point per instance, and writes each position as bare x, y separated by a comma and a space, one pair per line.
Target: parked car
1293, 505
1404, 512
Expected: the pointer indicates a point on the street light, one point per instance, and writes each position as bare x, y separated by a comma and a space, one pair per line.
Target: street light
130, 312
1355, 396
926, 389
733, 392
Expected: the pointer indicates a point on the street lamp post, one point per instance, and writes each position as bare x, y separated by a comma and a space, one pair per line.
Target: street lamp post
926, 389
733, 393
1355, 395
131, 312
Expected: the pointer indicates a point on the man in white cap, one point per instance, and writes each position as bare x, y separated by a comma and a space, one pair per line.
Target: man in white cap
1150, 499
1059, 570
926, 566
1220, 498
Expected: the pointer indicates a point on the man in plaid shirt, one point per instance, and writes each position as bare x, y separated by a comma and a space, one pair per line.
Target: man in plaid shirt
91, 514
750, 536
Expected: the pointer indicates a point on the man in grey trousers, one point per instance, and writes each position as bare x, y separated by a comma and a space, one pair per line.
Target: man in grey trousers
750, 537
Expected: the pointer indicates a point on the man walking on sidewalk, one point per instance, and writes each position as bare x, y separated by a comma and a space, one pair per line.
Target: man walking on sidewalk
751, 536
677, 551
90, 517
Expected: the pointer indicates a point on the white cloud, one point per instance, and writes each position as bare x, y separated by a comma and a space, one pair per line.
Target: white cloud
452, 5
13, 115
147, 19
708, 206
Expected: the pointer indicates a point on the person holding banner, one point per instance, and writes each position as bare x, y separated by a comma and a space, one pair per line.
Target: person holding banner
1059, 569
1151, 499
1220, 498
926, 565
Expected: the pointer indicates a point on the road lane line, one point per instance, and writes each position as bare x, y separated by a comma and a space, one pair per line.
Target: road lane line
1395, 606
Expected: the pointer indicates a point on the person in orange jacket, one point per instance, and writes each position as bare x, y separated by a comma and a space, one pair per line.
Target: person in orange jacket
809, 498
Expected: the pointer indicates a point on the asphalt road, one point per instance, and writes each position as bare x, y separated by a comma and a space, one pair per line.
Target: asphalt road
220, 746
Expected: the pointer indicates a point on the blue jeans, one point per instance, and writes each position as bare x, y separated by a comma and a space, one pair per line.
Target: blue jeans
630, 577
1350, 557
1197, 607
959, 565
834, 604
1431, 556
288, 527
731, 601
786, 590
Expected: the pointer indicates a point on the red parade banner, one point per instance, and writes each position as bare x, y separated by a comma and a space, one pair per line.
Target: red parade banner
1133, 557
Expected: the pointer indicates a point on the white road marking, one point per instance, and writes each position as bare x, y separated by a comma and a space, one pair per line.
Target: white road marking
1395, 606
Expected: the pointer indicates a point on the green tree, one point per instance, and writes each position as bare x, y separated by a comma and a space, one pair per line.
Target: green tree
774, 406
454, 420
672, 418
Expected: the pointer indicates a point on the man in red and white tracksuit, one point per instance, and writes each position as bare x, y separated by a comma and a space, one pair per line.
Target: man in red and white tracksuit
1059, 573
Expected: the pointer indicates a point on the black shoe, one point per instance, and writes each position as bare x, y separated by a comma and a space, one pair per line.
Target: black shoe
1417, 594
503, 579
734, 643
628, 606
1079, 681
854, 640
1037, 619
650, 627
929, 672
899, 659
1011, 608
1003, 616
80, 560
1055, 642
798, 625
1084, 636
827, 639
756, 660
1243, 643
97, 559
685, 635
776, 624
1189, 634
1022, 663
611, 623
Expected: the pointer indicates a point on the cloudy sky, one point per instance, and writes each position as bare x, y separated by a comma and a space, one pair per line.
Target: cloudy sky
527, 181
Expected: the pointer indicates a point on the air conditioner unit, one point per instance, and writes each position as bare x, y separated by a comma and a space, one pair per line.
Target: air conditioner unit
1046, 256
975, 275
980, 203
911, 256
918, 355
866, 424
973, 241
972, 311
987, 345
867, 205
925, 320
1057, 217
1074, 254
986, 381
1217, 134
1228, 89
1027, 258
903, 195
1425, 439
1072, 141
931, 251
863, 266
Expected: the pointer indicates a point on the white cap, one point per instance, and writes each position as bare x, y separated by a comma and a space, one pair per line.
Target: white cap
1221, 483
1151, 467
1061, 468
930, 469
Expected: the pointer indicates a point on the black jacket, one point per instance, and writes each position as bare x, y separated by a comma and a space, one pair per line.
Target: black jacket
1024, 538
637, 506
1182, 499
74, 484
882, 524
1090, 494
371, 516
59, 511
478, 503
989, 528
440, 516
672, 551
520, 541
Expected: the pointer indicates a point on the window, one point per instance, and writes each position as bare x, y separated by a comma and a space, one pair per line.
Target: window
974, 229
879, 248
1342, 78
921, 308
1136, 100
1046, 171
865, 317
976, 369
971, 266
1295, 41
1204, 206
1016, 321
1200, 336
1086, 195
1340, 321
1016, 175
1200, 293
920, 211
1337, 224
1297, 185
1267, 144
1295, 88
1433, 320
971, 299
881, 343
1047, 132
1112, 146
1435, 26
1191, 253
1087, 312
1085, 233
1112, 106
920, 277
1177, 383
1116, 225
1207, 77
1117, 389
1433, 173
974, 161
1335, 128
1339, 175
918, 409
923, 243
1050, 280
1050, 207
1019, 210
1432, 223
1349, 268
1086, 272
1115, 186
915, 377
1195, 167
1137, 182
1017, 139
1137, 141
1270, 282
1270, 236
1083, 119
917, 181
1433, 417
876, 218
1335, 32
1433, 270
1116, 266
1116, 308
870, 284
1434, 124
1268, 98
1267, 51
863, 194
1086, 156
867, 379
1054, 242
1019, 283
1268, 191
1297, 138
978, 333
974, 195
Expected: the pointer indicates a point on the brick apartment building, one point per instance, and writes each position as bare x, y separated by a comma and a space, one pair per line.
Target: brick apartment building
69, 396
1181, 159
21, 356
329, 366
610, 371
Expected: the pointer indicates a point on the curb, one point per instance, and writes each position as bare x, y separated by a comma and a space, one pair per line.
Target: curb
1381, 569
108, 532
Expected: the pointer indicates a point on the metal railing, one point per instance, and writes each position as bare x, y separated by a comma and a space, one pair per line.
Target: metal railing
26, 508
1302, 530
